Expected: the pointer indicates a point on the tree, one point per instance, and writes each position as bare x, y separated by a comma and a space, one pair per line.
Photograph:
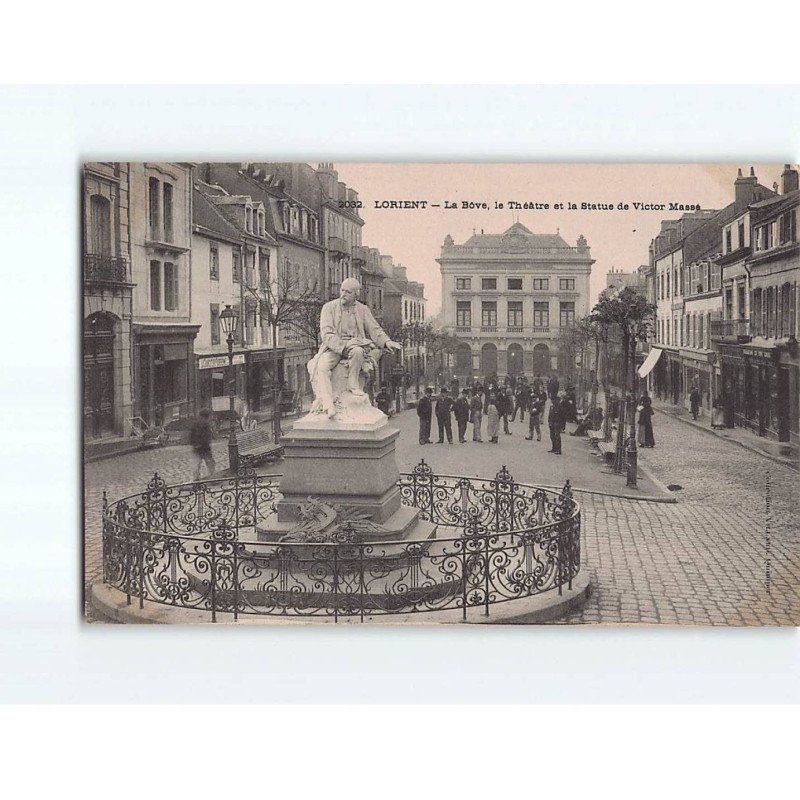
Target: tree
289, 302
633, 315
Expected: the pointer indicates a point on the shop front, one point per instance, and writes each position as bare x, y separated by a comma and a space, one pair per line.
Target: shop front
164, 372
265, 373
214, 382
698, 370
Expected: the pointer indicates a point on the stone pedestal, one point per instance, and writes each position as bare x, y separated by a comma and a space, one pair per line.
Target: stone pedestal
349, 463
346, 462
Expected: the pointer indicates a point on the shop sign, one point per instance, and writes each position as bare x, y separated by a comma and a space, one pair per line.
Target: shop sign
219, 361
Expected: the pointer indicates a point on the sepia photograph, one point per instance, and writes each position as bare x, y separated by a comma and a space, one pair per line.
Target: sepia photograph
440, 393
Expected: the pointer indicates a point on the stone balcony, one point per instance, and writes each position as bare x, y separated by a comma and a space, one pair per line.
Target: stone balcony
730, 330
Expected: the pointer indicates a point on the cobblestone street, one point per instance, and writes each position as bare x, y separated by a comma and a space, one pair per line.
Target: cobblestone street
717, 556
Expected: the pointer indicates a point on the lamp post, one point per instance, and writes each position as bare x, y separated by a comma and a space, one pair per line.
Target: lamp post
229, 321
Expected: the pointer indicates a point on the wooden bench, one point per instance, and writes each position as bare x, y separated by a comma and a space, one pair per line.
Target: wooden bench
252, 447
607, 449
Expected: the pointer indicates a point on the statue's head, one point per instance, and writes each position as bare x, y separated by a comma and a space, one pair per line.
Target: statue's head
349, 290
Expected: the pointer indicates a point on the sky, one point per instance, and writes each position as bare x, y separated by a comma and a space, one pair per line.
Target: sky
618, 238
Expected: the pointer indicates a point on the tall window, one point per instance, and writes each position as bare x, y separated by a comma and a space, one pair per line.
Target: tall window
515, 313
263, 270
168, 212
463, 314
541, 284
514, 284
566, 284
489, 283
729, 304
741, 234
236, 271
716, 276
154, 212
728, 240
213, 262
541, 315
100, 209
668, 283
755, 312
214, 323
488, 314
155, 285
566, 314
687, 281
742, 302
170, 286
787, 227
695, 279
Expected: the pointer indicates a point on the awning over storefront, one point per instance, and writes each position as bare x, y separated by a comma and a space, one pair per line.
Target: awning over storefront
649, 362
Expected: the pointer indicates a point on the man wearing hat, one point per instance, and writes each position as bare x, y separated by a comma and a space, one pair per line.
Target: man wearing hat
424, 412
444, 408
461, 413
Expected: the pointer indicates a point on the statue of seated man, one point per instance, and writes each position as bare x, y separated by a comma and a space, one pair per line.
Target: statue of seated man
347, 331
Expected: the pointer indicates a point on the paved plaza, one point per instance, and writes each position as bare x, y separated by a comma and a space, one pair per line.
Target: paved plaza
728, 552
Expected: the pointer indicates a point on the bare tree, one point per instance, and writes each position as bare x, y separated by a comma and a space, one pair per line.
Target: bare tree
289, 303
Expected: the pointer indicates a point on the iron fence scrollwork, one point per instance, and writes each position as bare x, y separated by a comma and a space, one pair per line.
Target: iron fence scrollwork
196, 546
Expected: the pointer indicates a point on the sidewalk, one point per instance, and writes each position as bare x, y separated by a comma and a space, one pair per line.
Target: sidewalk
781, 452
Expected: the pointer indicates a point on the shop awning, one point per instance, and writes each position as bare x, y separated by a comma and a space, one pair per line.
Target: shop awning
649, 362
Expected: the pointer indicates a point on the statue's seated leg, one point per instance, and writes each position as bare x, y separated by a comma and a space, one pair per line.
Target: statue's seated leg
355, 365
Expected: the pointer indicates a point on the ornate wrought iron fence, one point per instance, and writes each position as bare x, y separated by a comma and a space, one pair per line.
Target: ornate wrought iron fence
195, 546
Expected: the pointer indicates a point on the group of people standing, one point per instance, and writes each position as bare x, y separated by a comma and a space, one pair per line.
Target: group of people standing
498, 402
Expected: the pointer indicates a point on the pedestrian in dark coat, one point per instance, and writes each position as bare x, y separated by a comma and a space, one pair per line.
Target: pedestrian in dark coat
645, 410
521, 400
461, 413
424, 411
565, 407
200, 437
476, 416
555, 422
443, 411
552, 386
694, 401
505, 405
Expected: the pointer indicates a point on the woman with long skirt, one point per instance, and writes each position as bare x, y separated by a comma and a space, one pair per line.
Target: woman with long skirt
645, 432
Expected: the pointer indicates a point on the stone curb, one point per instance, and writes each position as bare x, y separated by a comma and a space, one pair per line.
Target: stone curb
546, 607
776, 459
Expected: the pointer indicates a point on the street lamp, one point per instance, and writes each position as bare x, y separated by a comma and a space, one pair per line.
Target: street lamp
229, 321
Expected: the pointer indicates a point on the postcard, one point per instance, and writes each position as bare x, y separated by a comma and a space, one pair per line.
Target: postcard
418, 393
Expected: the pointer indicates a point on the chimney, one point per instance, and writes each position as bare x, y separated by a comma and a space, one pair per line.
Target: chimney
788, 179
745, 188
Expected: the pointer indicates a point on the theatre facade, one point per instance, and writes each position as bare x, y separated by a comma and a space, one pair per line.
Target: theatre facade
506, 296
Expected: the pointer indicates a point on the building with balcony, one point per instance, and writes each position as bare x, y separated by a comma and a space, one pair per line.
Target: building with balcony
506, 296
756, 338
107, 300
341, 228
687, 279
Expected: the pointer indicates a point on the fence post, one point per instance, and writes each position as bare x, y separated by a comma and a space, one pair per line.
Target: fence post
335, 583
140, 562
486, 574
361, 579
213, 580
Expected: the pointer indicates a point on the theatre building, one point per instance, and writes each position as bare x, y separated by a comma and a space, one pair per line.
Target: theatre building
163, 332
506, 296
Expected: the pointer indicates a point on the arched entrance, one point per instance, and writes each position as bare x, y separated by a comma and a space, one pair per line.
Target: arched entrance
541, 359
98, 375
514, 359
464, 360
488, 360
